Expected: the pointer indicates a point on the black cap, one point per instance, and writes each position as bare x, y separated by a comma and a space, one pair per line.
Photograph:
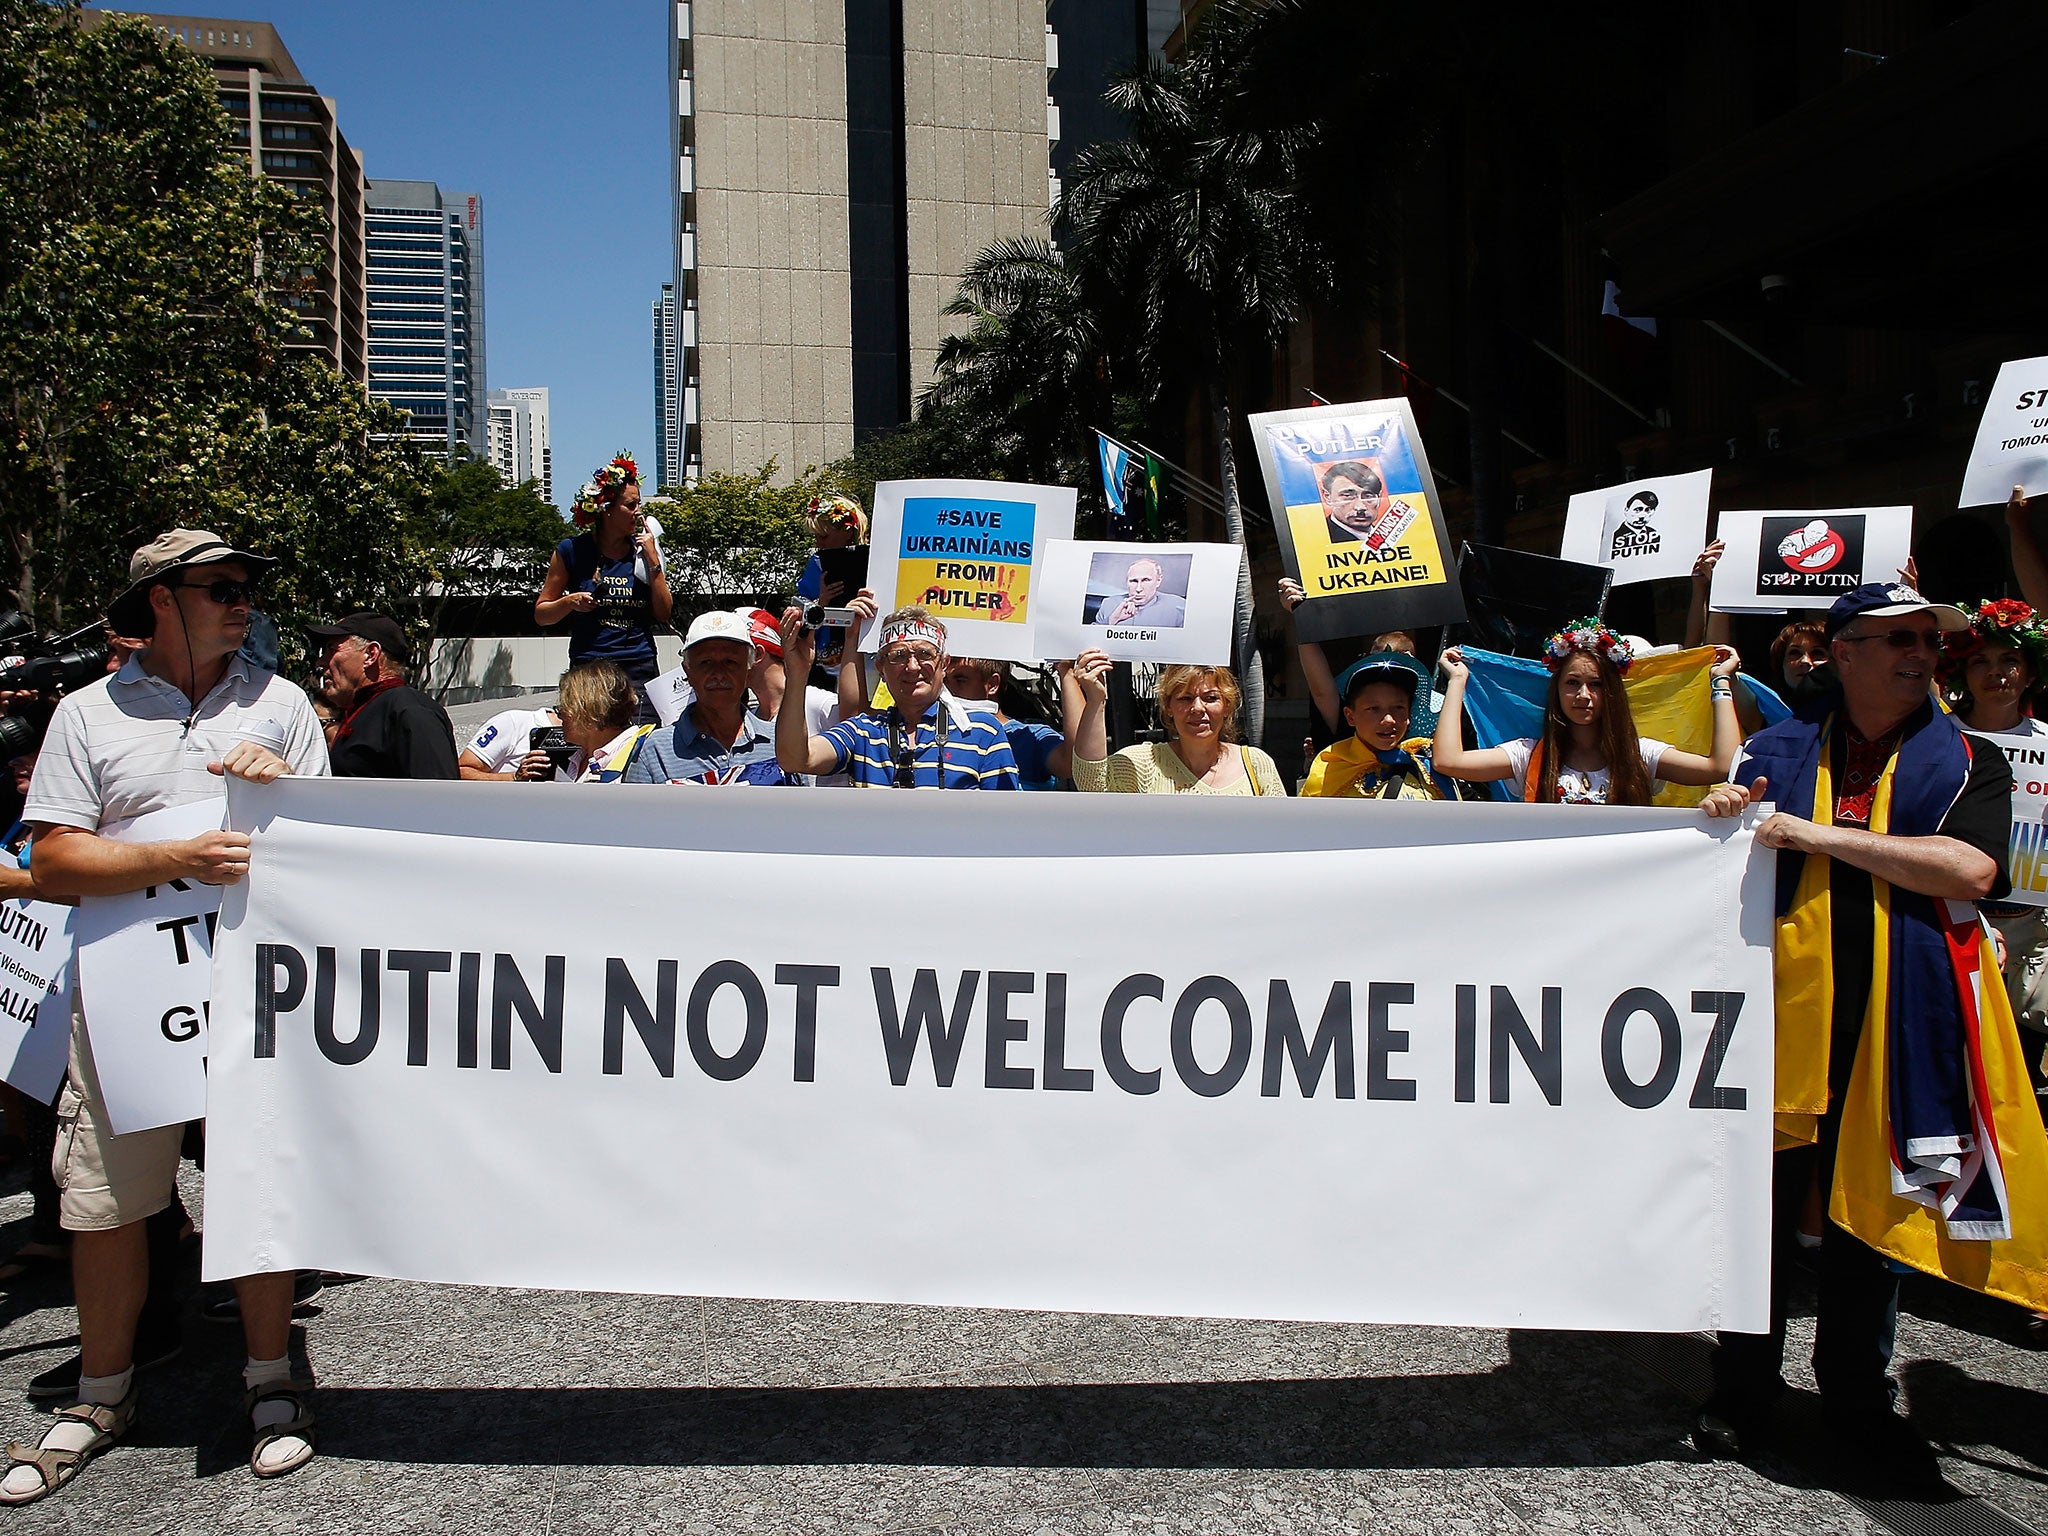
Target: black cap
367, 626
1888, 599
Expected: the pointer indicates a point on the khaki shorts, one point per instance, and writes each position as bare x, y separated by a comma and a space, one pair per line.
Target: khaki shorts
106, 1181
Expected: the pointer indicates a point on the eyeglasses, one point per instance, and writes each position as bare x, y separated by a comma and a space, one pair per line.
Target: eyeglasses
226, 593
904, 655
1899, 639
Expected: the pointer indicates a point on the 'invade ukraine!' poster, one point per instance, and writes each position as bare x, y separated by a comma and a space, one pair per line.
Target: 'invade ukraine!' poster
1360, 526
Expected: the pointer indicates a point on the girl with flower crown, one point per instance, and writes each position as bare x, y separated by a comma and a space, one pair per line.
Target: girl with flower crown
607, 581
1589, 753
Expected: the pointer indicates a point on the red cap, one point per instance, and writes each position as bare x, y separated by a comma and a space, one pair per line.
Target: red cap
767, 632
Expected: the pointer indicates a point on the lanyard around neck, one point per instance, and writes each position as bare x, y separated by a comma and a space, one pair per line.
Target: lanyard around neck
942, 738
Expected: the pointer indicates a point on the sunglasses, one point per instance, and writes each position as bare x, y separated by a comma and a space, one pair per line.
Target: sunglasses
1900, 639
226, 593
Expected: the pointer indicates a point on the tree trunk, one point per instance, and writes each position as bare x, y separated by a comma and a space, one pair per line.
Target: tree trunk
1251, 672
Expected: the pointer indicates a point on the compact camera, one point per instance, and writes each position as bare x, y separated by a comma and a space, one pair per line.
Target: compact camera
549, 739
818, 616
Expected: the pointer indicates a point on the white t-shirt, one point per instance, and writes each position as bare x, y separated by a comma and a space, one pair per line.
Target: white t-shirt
119, 747
1575, 786
502, 740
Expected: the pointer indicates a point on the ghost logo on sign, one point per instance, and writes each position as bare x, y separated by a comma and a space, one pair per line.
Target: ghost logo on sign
1811, 556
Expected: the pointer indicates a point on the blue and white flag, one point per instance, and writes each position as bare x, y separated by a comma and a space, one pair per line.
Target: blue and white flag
1116, 469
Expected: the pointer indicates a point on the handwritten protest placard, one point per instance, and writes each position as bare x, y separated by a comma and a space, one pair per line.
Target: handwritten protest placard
35, 995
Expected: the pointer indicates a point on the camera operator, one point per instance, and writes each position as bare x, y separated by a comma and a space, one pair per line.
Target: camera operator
599, 705
159, 733
503, 747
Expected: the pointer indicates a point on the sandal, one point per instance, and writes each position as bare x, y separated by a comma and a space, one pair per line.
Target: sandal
110, 1421
298, 1392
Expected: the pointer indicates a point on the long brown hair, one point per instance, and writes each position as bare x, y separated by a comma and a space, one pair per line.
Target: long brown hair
1627, 783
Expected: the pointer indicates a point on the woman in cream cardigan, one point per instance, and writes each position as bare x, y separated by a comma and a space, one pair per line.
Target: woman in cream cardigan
1201, 756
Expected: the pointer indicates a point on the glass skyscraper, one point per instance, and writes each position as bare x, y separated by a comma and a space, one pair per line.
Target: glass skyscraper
425, 282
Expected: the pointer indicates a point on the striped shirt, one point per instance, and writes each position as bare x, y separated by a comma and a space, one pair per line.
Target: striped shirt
971, 747
119, 747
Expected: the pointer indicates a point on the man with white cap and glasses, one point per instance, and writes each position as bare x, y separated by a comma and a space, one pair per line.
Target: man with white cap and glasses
161, 732
717, 739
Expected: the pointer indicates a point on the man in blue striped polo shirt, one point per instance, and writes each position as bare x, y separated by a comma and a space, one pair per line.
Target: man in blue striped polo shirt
923, 740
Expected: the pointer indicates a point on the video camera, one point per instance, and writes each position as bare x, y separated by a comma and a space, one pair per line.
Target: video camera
30, 663
818, 616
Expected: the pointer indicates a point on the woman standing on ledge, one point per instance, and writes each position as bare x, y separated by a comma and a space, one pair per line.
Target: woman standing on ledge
607, 581
1201, 756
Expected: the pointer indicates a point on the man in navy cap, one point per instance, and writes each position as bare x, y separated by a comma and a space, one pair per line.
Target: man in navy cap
388, 730
1891, 824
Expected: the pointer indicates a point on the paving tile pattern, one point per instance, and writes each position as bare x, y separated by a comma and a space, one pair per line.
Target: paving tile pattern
540, 1413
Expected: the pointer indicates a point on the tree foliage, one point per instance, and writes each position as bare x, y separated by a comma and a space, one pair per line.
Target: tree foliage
733, 536
148, 373
479, 539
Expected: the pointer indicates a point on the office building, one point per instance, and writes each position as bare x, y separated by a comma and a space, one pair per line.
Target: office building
425, 282
518, 438
668, 441
836, 164
290, 134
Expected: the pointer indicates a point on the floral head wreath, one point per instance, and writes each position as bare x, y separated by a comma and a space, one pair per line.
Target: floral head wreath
1587, 635
604, 486
2001, 621
832, 510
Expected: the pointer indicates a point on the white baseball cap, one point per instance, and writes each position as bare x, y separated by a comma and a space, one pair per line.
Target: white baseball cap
719, 624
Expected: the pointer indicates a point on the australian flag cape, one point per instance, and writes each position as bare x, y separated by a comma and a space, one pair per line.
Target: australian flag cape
1942, 1163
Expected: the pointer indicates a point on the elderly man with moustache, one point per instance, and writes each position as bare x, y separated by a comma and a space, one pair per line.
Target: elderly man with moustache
717, 739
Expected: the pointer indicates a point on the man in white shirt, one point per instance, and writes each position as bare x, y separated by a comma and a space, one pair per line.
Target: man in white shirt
161, 732
499, 749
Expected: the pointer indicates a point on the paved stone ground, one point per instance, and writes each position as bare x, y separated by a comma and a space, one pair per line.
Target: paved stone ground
453, 1410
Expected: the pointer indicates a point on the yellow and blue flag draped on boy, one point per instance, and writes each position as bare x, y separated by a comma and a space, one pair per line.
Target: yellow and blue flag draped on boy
1942, 1162
1668, 699
1352, 768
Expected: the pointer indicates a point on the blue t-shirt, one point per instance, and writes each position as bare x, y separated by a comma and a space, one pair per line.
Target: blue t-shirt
1031, 743
973, 755
685, 755
621, 626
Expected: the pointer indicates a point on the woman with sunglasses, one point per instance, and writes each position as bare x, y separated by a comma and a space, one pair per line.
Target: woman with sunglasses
1589, 752
1202, 755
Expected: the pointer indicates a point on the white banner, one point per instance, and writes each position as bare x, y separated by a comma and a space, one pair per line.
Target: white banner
1782, 560
145, 966
2012, 436
967, 550
1460, 1064
35, 995
1644, 530
2028, 864
1138, 602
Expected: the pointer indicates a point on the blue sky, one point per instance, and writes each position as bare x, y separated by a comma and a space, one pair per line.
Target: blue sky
556, 114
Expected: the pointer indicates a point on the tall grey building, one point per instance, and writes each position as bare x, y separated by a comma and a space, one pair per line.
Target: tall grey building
289, 131
425, 279
518, 438
668, 421
836, 164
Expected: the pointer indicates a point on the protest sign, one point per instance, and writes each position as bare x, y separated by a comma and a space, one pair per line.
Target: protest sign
1010, 1097
2012, 437
1644, 530
1520, 599
144, 975
1138, 602
1783, 560
35, 996
669, 695
2028, 864
1360, 525
968, 551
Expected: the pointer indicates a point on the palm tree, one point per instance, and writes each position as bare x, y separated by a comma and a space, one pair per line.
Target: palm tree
1025, 377
1194, 234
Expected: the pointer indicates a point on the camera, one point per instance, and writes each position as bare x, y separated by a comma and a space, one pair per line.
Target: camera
549, 739
23, 727
28, 662
818, 616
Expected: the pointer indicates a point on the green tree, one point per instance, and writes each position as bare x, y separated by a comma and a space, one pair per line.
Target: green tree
732, 537
1028, 378
480, 539
149, 375
1193, 236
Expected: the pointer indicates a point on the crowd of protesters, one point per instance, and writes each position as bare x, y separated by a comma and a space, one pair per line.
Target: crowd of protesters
1875, 779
